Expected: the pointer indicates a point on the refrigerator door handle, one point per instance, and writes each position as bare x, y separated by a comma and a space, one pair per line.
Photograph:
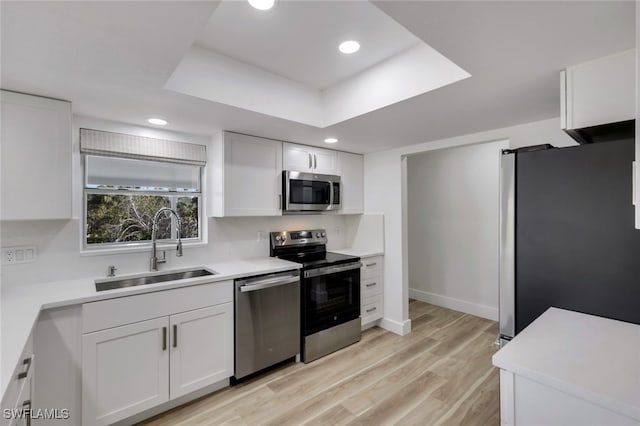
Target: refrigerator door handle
507, 246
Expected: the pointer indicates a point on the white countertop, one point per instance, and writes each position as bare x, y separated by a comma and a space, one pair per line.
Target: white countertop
359, 252
593, 358
21, 305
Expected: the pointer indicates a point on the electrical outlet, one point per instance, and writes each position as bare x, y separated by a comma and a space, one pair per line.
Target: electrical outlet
337, 230
21, 254
261, 236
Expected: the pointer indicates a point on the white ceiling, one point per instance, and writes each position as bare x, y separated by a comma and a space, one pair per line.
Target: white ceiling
112, 59
299, 39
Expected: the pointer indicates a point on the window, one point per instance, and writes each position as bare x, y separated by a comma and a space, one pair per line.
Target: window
122, 195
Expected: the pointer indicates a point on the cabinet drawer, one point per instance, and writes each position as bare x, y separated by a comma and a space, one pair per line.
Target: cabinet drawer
371, 266
371, 309
129, 309
371, 286
19, 387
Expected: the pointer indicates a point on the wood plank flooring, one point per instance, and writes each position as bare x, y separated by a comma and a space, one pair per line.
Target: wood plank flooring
440, 374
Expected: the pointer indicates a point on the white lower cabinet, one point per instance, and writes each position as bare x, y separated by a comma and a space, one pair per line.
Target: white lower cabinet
200, 343
125, 370
130, 368
371, 290
525, 402
16, 401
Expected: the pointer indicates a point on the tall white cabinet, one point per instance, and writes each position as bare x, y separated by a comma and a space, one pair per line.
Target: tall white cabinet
35, 157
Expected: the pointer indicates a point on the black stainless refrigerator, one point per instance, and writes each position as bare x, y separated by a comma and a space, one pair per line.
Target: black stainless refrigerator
567, 235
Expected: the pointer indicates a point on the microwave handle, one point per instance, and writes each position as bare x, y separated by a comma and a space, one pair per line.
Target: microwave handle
331, 195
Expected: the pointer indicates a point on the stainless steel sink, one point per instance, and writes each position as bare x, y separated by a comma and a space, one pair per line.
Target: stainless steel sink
113, 283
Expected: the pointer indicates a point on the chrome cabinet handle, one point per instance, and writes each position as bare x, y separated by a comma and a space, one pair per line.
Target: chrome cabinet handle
371, 285
315, 162
279, 201
371, 309
25, 373
164, 338
371, 264
175, 335
310, 161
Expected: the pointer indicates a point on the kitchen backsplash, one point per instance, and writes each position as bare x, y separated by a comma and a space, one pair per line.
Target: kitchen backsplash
59, 256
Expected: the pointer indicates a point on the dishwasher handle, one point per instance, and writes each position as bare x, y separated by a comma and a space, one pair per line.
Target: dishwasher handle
268, 283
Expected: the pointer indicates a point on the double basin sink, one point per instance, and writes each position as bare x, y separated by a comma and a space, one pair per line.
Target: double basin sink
152, 278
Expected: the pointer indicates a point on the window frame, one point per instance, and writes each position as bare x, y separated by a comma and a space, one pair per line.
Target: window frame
144, 245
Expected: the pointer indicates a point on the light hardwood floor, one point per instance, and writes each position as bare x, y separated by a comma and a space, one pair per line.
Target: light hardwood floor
440, 374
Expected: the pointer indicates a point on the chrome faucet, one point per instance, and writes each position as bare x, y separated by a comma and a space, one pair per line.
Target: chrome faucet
154, 230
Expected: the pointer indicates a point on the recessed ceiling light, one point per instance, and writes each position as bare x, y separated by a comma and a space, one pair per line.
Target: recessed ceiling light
157, 121
349, 46
331, 140
262, 4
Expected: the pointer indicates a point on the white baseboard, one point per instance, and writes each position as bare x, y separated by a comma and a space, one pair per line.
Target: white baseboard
401, 328
471, 308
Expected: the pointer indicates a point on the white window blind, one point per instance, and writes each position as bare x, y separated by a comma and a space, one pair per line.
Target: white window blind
111, 144
124, 173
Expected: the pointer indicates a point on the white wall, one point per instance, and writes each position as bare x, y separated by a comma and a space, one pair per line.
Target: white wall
383, 180
452, 200
59, 242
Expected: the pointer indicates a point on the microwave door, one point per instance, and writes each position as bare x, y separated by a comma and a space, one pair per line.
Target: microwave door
305, 194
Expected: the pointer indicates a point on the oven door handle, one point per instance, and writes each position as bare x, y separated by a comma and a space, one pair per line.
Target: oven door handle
332, 269
273, 282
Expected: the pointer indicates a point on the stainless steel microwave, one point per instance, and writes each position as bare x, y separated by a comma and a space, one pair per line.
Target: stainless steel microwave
310, 192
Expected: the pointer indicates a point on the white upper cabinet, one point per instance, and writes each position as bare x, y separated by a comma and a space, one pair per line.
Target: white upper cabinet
36, 157
245, 176
599, 92
351, 171
304, 158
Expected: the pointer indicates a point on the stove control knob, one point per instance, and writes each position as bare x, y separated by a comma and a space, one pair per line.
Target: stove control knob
278, 238
318, 235
323, 235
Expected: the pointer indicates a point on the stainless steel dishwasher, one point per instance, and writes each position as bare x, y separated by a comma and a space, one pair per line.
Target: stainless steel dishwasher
267, 321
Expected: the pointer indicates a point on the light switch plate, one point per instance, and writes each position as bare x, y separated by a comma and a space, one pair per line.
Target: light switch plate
19, 254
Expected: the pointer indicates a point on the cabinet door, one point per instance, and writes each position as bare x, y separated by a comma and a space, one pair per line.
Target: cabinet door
201, 348
252, 176
304, 158
600, 91
325, 161
297, 158
352, 174
125, 370
36, 157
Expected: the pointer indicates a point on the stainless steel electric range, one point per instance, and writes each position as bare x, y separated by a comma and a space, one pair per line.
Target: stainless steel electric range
330, 291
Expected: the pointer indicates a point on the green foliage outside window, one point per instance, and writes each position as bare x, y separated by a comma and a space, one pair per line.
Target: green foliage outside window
116, 218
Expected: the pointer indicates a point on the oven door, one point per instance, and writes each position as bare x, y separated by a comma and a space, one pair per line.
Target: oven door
330, 296
309, 191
